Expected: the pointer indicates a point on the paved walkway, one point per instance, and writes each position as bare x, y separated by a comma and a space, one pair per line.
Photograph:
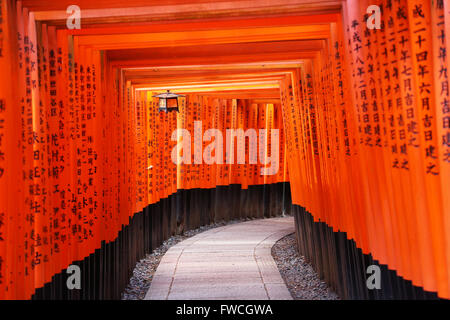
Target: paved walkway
232, 262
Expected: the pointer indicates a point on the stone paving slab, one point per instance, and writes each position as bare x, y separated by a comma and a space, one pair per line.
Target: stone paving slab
232, 262
213, 277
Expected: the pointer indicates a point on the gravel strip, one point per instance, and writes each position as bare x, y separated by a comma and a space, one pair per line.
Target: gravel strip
301, 279
146, 267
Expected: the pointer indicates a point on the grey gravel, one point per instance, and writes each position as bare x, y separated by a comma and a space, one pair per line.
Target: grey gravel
145, 268
300, 278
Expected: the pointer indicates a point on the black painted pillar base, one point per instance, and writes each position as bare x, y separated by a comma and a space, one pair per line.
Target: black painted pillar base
342, 265
106, 272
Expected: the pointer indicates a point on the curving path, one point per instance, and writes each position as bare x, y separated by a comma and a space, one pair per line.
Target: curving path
232, 262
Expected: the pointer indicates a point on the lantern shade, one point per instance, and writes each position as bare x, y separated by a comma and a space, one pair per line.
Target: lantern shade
168, 101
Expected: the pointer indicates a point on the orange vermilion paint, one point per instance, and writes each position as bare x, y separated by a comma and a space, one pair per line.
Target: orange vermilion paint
363, 117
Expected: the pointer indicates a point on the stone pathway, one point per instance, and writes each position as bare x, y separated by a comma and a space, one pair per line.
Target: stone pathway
232, 262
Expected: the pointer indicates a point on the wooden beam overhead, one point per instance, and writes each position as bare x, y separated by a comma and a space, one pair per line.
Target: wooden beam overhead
117, 12
228, 47
61, 5
181, 38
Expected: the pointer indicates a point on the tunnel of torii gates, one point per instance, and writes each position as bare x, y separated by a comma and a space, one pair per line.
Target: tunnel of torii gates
363, 119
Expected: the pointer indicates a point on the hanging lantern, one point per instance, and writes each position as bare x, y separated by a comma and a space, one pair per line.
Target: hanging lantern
168, 101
